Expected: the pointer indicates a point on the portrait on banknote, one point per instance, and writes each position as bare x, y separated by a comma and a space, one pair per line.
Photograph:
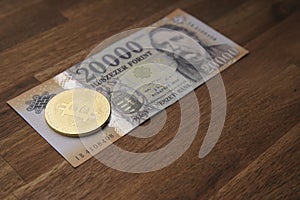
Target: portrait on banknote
189, 52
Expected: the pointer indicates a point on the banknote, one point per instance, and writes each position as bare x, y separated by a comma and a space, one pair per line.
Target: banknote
141, 72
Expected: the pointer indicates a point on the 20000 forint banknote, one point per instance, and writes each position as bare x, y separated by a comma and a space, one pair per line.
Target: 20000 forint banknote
141, 74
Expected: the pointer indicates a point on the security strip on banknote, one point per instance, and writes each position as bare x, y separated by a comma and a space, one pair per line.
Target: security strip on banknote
140, 75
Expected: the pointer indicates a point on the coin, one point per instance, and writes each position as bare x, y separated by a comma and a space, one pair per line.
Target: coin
77, 112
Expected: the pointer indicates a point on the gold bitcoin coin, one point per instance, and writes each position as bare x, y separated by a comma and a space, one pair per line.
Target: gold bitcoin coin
77, 112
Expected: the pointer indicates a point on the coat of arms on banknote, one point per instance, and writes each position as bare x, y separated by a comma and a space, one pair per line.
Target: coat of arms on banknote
140, 74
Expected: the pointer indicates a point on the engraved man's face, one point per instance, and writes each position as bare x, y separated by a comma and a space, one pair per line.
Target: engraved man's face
179, 44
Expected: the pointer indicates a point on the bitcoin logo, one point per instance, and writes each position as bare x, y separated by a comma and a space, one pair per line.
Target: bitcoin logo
77, 112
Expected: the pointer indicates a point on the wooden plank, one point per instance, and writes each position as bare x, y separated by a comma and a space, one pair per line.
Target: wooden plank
10, 197
135, 9
61, 66
259, 113
65, 4
11, 121
252, 18
211, 11
28, 153
9, 179
44, 176
12, 90
29, 21
273, 175
8, 7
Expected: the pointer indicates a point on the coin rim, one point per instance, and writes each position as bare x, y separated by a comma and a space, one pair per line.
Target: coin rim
76, 135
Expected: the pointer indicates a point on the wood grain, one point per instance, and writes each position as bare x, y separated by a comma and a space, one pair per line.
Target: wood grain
27, 22
10, 177
276, 171
257, 156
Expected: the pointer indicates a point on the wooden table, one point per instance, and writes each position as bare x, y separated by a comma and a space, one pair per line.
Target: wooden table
257, 155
